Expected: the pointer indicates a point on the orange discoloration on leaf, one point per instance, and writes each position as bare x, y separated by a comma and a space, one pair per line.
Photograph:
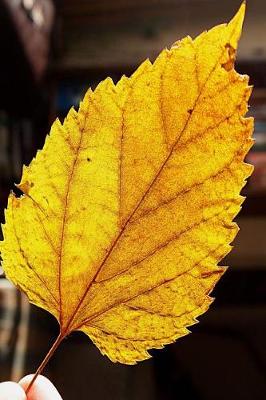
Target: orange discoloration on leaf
133, 199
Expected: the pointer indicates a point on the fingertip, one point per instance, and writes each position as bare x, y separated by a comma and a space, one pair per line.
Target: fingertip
24, 382
42, 389
11, 390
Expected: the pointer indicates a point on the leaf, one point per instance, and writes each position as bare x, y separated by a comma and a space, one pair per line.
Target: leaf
128, 209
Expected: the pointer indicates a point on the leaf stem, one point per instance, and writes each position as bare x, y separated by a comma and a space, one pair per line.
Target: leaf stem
58, 340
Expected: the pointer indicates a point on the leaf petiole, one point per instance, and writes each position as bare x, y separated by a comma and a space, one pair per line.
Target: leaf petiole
57, 342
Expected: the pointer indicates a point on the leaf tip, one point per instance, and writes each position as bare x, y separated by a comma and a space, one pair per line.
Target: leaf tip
237, 23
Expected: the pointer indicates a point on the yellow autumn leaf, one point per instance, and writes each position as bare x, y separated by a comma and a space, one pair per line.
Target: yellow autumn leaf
128, 209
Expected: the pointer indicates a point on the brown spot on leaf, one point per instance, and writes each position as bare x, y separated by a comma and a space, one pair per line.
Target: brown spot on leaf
229, 64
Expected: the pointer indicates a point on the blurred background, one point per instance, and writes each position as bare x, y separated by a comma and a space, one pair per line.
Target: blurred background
51, 52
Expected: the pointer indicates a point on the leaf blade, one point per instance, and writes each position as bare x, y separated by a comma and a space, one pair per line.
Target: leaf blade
131, 201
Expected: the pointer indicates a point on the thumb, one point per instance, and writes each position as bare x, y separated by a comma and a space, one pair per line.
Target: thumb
11, 390
42, 389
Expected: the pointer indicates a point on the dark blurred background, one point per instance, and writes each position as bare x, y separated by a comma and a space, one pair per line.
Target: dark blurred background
51, 52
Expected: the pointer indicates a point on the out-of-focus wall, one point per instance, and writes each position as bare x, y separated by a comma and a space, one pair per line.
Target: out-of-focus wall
125, 33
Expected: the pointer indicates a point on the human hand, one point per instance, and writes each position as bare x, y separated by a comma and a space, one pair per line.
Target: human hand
42, 389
